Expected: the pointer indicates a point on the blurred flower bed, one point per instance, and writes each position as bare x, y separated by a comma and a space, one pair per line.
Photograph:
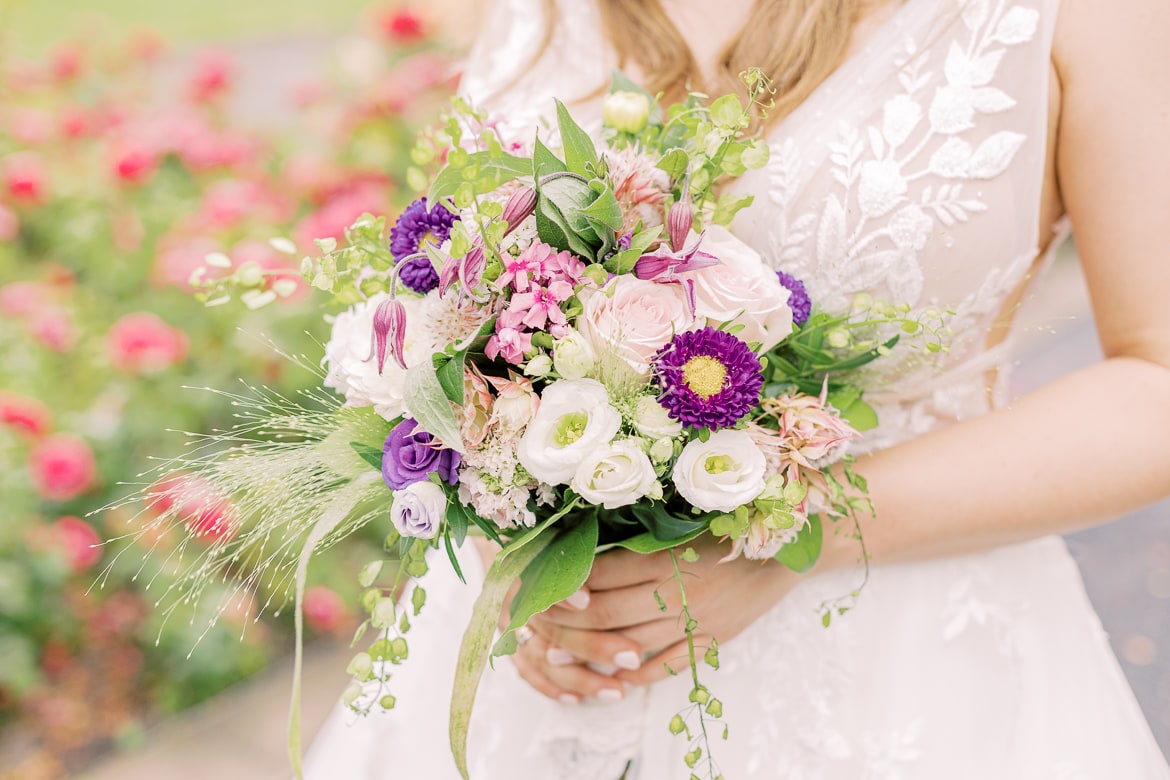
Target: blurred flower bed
111, 196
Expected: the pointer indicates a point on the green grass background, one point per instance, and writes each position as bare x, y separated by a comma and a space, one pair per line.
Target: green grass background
30, 26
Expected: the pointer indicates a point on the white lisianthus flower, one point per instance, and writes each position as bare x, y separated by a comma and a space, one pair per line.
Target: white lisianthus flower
573, 358
418, 510
615, 475
741, 289
722, 473
653, 421
352, 367
574, 417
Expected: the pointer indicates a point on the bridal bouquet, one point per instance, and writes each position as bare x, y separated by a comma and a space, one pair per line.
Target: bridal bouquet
562, 348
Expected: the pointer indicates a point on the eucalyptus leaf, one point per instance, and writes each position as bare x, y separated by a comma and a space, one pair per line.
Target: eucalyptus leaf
429, 405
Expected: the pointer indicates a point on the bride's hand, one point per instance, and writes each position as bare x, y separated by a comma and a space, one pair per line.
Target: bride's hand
622, 624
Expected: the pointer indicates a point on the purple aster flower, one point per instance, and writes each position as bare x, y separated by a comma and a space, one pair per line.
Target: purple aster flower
418, 226
708, 378
797, 299
419, 275
410, 454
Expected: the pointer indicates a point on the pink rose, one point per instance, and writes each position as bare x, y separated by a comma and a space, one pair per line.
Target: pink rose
62, 467
142, 343
26, 415
324, 610
79, 542
741, 288
632, 319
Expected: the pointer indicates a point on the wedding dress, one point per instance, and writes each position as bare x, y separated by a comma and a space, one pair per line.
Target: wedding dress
913, 174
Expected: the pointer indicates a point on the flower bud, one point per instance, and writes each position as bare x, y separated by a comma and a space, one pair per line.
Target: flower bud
653, 421
838, 338
679, 222
539, 366
519, 207
360, 666
572, 356
626, 111
389, 330
661, 451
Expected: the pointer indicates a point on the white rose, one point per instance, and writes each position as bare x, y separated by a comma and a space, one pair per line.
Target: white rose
722, 473
573, 358
418, 510
574, 417
741, 288
352, 366
626, 111
653, 421
632, 319
614, 475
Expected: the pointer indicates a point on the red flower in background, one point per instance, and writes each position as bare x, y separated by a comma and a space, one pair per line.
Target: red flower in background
141, 342
79, 542
324, 610
24, 177
62, 467
25, 415
134, 164
402, 25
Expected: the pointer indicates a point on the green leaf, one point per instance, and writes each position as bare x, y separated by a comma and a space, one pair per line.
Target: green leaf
457, 519
370, 454
430, 407
577, 145
860, 415
620, 82
453, 557
449, 371
675, 162
556, 573
665, 525
544, 162
801, 554
493, 170
726, 112
474, 650
728, 206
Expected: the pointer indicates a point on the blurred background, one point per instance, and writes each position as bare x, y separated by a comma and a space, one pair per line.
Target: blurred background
136, 137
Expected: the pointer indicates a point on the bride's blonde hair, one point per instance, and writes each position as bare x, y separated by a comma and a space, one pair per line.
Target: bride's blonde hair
797, 43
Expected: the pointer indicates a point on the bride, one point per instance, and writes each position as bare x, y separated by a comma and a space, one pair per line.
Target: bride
925, 151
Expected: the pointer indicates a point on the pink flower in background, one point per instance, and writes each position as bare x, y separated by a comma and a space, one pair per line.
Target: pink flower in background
262, 254
24, 177
401, 25
79, 542
146, 44
324, 610
25, 415
20, 299
62, 467
9, 224
76, 121
228, 202
31, 126
53, 327
340, 210
205, 511
133, 164
178, 257
141, 342
67, 61
212, 77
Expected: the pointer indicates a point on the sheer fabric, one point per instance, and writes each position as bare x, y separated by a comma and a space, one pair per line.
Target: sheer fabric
913, 174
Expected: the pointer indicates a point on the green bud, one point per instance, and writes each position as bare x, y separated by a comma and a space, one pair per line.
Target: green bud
369, 573
360, 666
677, 726
384, 613
387, 702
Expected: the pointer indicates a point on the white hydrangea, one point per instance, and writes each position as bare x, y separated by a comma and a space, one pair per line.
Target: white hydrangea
352, 368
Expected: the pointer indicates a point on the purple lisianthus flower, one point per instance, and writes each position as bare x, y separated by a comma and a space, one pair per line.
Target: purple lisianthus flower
708, 378
798, 299
410, 454
417, 227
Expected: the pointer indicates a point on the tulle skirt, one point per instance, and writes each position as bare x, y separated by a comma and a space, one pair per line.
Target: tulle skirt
985, 666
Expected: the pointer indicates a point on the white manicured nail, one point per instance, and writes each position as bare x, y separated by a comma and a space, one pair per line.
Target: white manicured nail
610, 695
628, 659
558, 656
568, 698
578, 600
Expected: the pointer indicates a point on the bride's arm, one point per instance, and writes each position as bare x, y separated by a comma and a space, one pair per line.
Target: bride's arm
1082, 450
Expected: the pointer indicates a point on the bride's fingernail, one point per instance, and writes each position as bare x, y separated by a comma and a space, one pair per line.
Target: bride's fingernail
628, 659
568, 698
558, 656
610, 695
578, 600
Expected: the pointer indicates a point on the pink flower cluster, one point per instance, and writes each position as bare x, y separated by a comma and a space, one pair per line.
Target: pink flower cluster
541, 279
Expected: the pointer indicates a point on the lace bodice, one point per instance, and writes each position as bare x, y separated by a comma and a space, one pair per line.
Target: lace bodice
912, 174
